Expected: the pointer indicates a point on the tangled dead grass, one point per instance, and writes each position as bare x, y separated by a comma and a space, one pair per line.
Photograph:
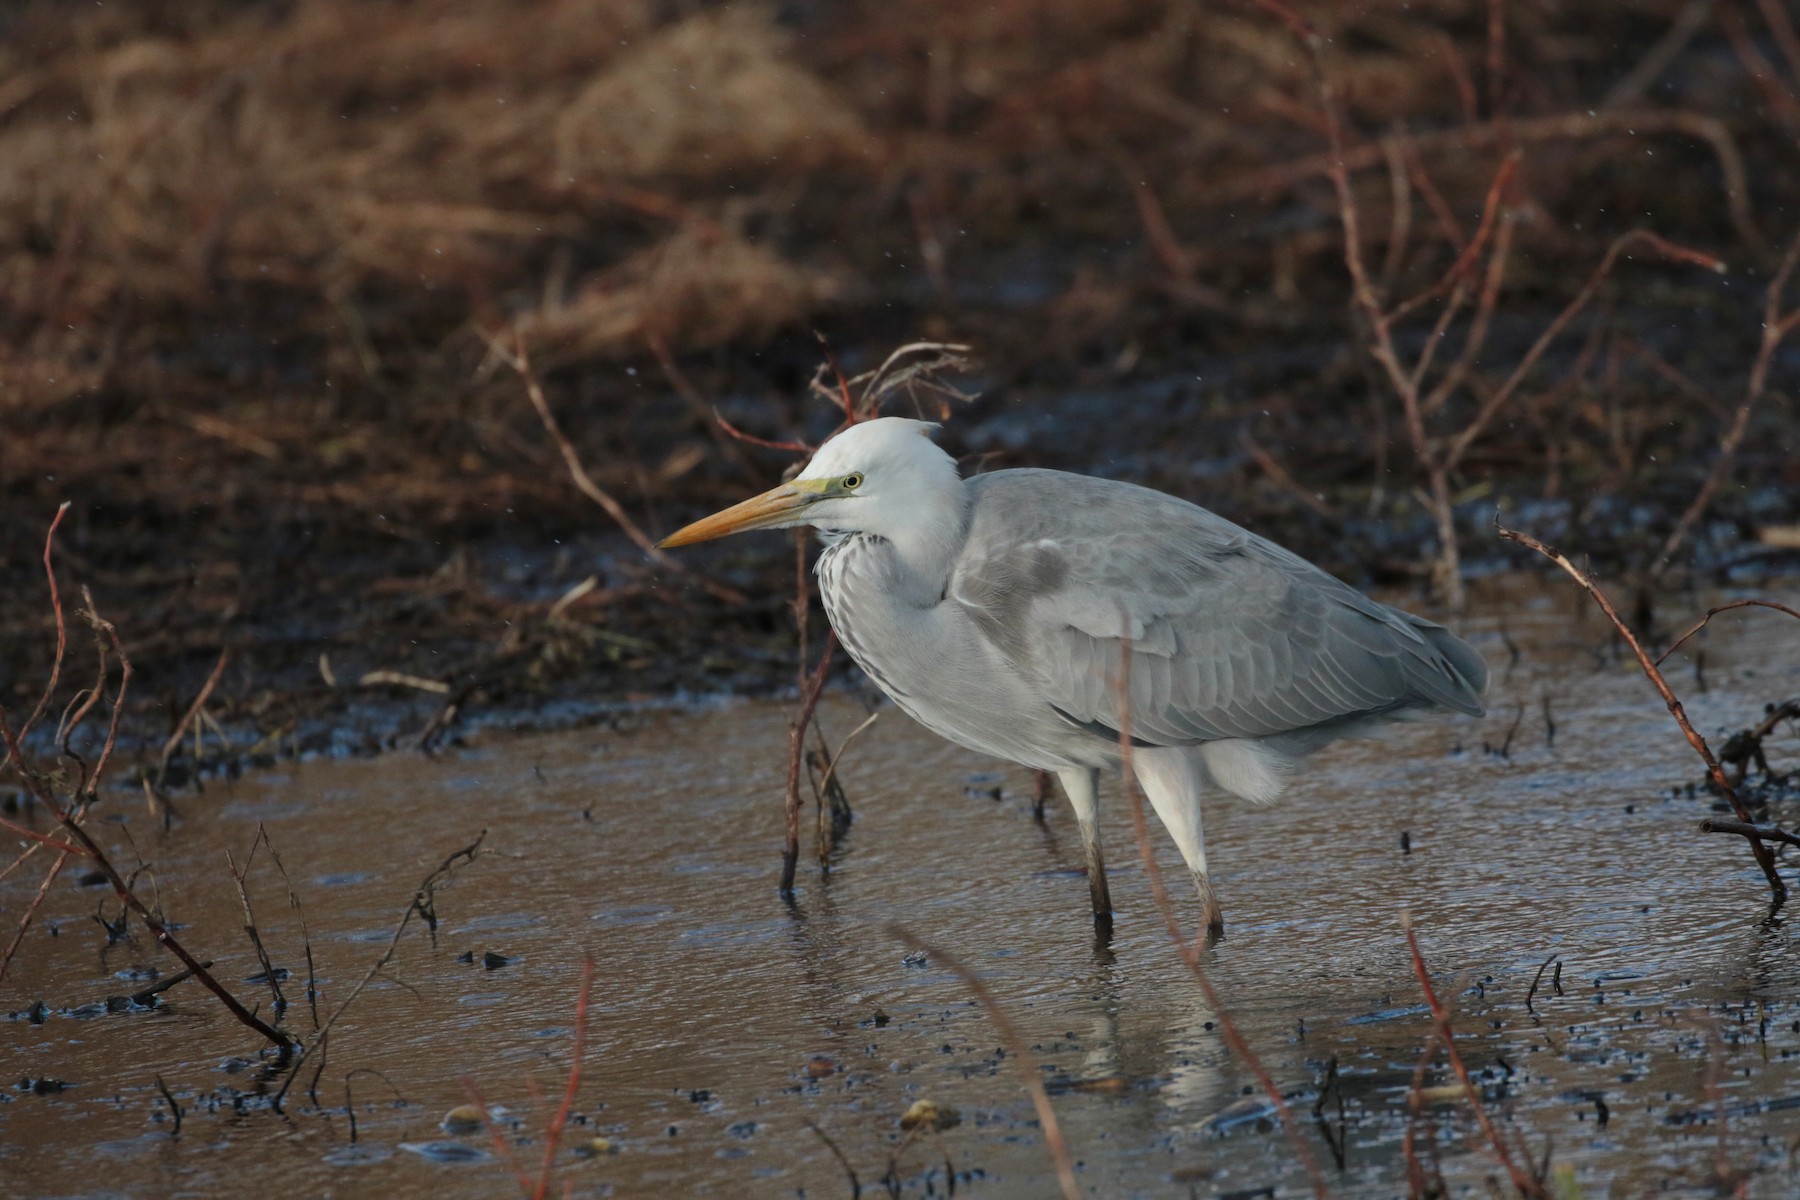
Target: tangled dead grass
253, 258
321, 176
410, 160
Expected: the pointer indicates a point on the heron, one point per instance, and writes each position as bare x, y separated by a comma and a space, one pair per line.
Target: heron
1066, 622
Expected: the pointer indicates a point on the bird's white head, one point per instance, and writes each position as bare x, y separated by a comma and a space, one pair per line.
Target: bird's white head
885, 477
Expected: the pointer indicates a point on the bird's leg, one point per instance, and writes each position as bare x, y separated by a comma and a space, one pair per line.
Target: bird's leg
1171, 779
1083, 787
1096, 869
1211, 915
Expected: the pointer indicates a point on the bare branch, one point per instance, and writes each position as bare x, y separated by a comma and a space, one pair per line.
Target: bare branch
1016, 1048
1713, 612
1764, 858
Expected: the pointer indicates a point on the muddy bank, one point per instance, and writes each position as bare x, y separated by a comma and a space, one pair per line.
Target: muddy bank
362, 628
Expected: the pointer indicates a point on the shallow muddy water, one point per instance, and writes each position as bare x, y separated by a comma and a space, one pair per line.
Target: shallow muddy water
722, 1022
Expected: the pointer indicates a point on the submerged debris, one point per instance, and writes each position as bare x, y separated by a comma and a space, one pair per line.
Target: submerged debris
930, 1115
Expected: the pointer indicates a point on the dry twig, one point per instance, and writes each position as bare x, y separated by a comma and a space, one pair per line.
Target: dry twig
813, 687
1713, 612
1440, 456
520, 361
422, 905
1776, 326
573, 1087
1023, 1062
1764, 859
1528, 1184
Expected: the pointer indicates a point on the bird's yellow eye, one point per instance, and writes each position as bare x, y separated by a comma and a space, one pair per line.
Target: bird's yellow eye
852, 482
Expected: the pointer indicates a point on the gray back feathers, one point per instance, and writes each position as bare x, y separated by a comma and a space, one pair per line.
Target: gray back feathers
1230, 635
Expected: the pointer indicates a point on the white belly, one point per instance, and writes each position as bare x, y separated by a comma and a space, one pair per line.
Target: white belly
933, 662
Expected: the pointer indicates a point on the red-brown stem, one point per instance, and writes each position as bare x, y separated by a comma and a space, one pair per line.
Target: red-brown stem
1500, 396
1764, 858
88, 697
850, 417
1522, 1179
1464, 141
30, 913
1713, 612
520, 361
1441, 212
1415, 1108
561, 1120
91, 782
1297, 25
501, 1145
1471, 252
282, 1042
62, 634
1496, 58
32, 835
206, 690
1775, 328
809, 702
1778, 98
1023, 1062
753, 440
1190, 949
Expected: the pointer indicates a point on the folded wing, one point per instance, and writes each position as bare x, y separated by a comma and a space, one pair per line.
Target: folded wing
1228, 635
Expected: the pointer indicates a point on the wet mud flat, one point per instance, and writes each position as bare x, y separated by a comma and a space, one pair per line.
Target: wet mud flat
1658, 1053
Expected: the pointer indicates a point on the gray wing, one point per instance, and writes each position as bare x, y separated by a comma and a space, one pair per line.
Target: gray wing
1230, 635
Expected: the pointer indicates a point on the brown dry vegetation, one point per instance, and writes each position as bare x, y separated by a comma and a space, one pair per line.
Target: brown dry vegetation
253, 257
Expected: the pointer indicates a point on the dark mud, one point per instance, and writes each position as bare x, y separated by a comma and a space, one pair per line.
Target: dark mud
1657, 1055
522, 607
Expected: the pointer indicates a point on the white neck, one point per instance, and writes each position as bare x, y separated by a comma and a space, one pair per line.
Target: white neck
926, 539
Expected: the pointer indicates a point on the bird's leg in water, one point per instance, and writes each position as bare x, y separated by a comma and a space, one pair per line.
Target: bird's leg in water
1083, 788
1212, 917
1096, 869
1171, 778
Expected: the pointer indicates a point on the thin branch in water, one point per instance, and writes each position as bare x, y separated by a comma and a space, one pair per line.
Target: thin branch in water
62, 635
187, 718
1537, 979
1768, 833
1528, 1185
813, 687
1713, 612
250, 928
1021, 1056
1417, 1185
174, 1108
855, 1183
1764, 859
559, 1122
825, 780
421, 905
312, 974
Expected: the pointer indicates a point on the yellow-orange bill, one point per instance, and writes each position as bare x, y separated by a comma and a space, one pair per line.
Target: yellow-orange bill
773, 507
